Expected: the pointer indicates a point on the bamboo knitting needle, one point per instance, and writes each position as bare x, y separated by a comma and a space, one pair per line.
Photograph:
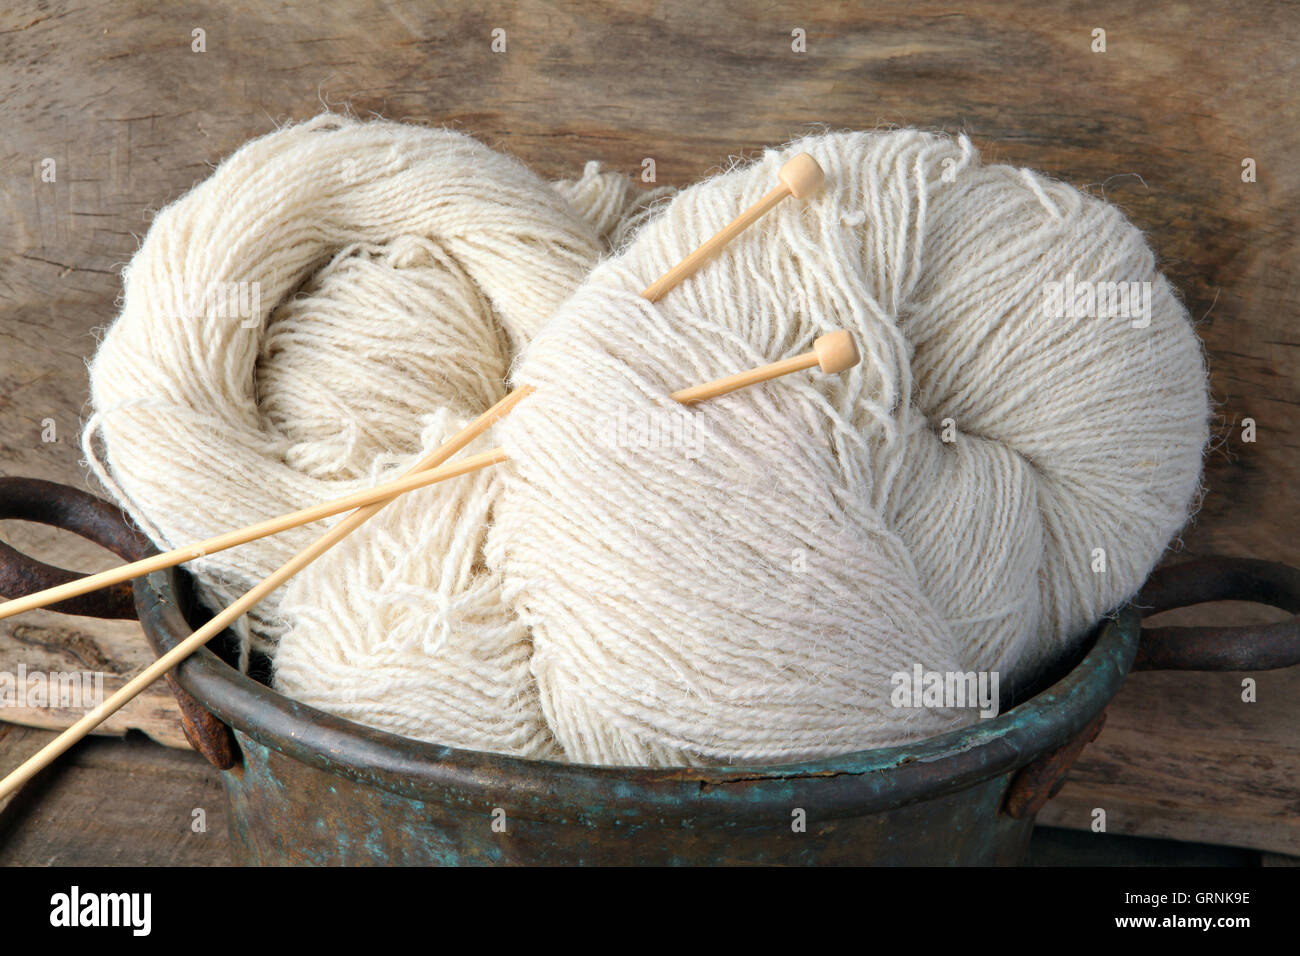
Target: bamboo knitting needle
834, 352
221, 542
800, 177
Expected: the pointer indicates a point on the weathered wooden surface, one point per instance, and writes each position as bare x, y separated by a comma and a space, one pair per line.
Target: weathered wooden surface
115, 803
1183, 756
1160, 123
45, 645
17, 743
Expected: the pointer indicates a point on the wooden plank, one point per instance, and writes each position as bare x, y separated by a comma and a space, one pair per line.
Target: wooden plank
1159, 124
16, 745
119, 803
1182, 756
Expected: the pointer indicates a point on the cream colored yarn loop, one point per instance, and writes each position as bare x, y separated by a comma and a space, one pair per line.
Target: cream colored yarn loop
289, 325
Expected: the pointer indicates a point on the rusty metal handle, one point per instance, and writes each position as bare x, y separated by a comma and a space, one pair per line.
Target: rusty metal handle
71, 509
61, 506
1239, 648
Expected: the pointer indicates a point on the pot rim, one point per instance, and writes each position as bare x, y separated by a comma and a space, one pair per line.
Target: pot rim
851, 784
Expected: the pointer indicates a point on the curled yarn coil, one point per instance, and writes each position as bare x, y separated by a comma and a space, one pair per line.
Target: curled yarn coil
290, 324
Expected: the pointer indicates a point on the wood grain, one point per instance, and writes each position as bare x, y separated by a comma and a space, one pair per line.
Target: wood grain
16, 745
1183, 756
118, 803
1158, 124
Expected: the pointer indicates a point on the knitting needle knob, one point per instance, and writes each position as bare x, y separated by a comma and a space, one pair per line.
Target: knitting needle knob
836, 351
802, 176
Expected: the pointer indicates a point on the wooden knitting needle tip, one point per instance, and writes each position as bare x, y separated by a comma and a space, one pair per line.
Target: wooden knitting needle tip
834, 352
800, 177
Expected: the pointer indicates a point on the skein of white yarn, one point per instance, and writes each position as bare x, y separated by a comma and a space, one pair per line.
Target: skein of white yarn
290, 323
751, 595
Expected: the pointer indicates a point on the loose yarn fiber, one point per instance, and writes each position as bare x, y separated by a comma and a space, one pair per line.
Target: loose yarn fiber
739, 580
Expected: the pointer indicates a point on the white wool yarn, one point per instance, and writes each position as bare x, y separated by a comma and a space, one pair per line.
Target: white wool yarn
643, 583
401, 626
289, 324
750, 594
